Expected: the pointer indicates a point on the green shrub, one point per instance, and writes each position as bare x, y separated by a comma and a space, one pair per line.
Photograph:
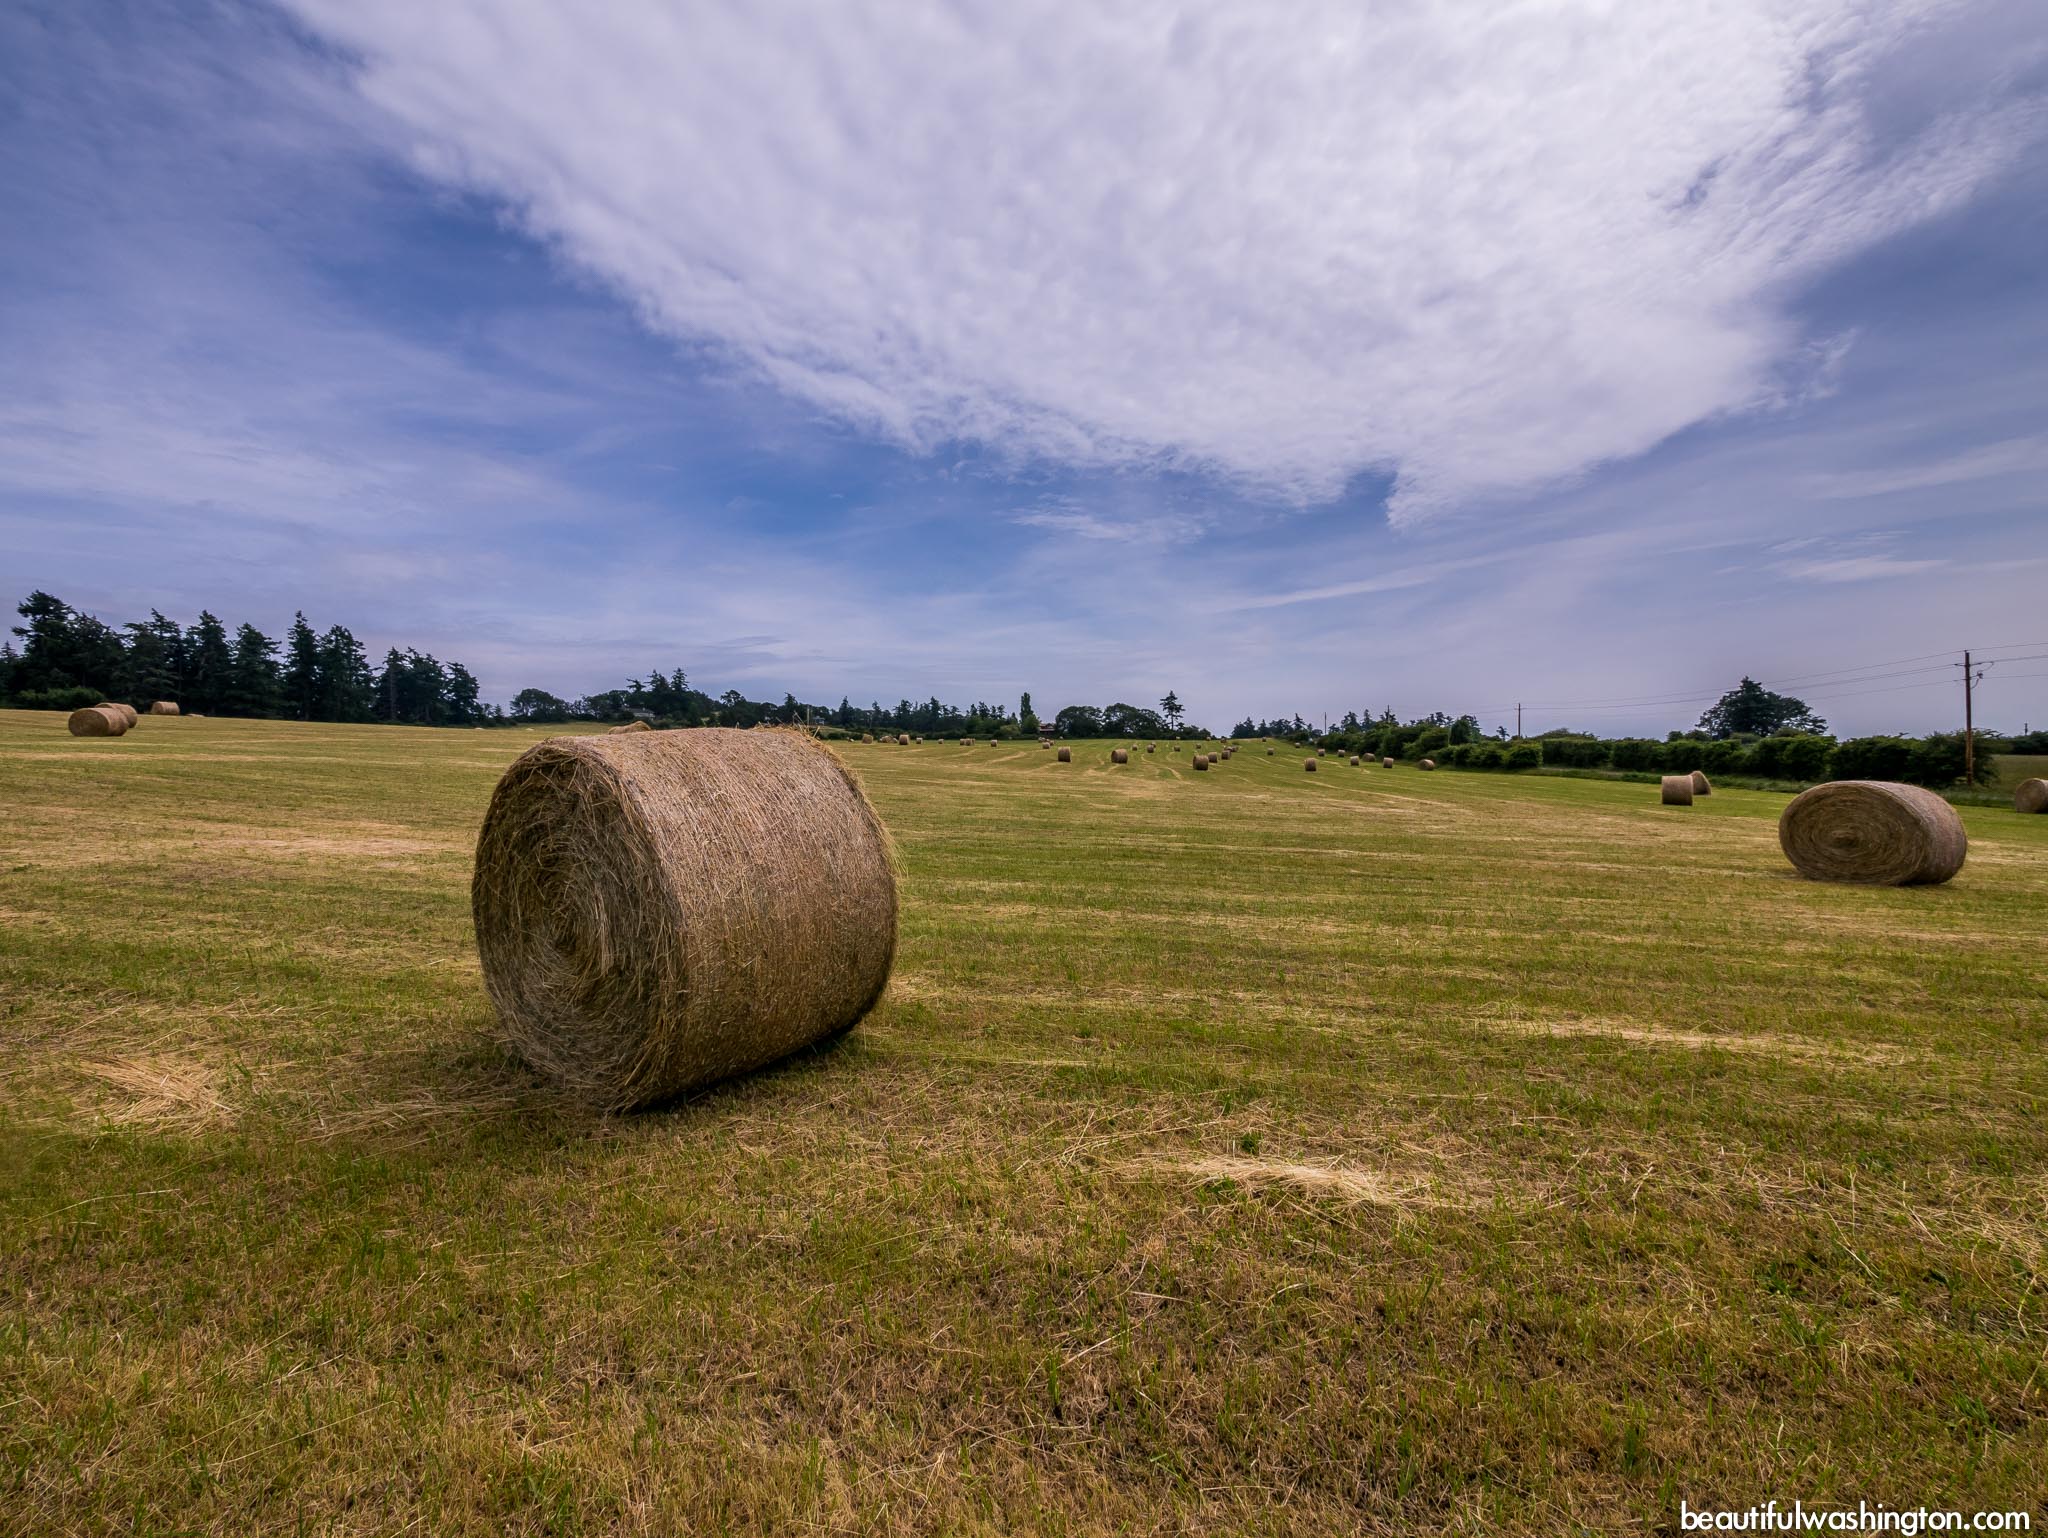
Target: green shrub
1682, 755
1523, 755
1872, 758
1572, 752
1636, 753
1801, 757
1730, 755
1481, 755
71, 697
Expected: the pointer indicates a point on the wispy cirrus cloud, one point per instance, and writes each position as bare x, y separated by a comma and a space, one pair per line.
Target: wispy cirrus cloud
1484, 251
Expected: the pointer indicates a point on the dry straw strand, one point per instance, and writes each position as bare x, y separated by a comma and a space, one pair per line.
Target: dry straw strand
2032, 796
97, 721
1701, 785
1677, 790
1872, 831
662, 912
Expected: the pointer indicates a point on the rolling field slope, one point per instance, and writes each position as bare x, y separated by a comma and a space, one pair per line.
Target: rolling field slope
1257, 1151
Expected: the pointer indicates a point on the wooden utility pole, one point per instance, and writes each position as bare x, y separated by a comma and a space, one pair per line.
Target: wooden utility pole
1969, 728
1518, 720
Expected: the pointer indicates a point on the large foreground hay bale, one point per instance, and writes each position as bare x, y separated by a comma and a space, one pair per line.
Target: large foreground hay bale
1119, 755
654, 916
1872, 831
1701, 785
1066, 755
2032, 796
126, 712
97, 721
630, 726
163, 708
1677, 790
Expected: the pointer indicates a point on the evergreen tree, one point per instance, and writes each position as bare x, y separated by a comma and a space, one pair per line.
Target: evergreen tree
154, 668
303, 686
254, 687
210, 662
347, 686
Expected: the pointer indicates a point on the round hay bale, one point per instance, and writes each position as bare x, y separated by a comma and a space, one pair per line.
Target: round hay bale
1309, 764
1066, 755
1677, 790
1271, 751
655, 916
967, 742
903, 739
1119, 755
1149, 748
163, 708
1319, 752
1202, 761
126, 712
97, 721
1354, 760
991, 742
2032, 796
1386, 763
1427, 763
1701, 785
630, 726
1872, 831
867, 736
1043, 743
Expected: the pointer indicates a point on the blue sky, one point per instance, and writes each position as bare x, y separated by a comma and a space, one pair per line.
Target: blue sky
1407, 356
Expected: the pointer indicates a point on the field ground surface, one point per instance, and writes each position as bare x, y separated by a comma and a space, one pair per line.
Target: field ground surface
1251, 1151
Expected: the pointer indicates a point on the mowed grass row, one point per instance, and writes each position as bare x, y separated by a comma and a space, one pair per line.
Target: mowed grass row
1247, 1151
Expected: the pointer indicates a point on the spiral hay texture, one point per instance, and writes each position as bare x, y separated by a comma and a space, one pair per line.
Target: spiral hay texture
657, 915
1677, 790
1873, 831
164, 708
2032, 796
1701, 785
97, 721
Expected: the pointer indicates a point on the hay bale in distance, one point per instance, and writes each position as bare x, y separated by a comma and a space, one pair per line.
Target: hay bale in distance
654, 916
1119, 755
1066, 754
97, 721
126, 712
966, 742
2031, 796
1872, 831
867, 736
1319, 752
1701, 785
1427, 763
163, 707
1677, 790
903, 739
1271, 751
1150, 748
630, 726
1386, 763
1309, 764
1354, 760
1202, 761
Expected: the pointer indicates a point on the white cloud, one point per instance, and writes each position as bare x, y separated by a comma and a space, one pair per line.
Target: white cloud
1486, 247
2012, 456
1857, 568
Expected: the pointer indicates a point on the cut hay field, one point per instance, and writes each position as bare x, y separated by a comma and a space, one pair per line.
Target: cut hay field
1365, 1151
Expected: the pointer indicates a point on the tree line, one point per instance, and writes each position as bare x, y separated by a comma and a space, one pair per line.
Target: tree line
68, 658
